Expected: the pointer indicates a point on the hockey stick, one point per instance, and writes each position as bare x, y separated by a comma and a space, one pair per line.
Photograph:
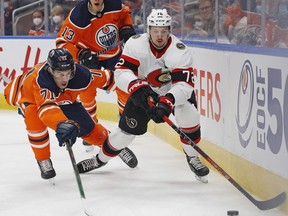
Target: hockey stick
108, 48
78, 179
262, 205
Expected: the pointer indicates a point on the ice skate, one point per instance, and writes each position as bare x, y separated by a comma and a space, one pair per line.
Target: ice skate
90, 164
128, 157
200, 170
46, 168
87, 146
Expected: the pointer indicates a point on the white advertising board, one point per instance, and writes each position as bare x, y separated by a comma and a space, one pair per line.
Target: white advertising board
242, 98
18, 55
243, 101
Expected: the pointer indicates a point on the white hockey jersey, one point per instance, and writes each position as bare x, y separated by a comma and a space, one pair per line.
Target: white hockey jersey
167, 71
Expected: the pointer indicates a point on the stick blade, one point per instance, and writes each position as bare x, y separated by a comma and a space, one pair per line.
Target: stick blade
271, 203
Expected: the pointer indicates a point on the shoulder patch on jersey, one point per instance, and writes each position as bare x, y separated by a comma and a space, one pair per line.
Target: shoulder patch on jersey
180, 46
136, 36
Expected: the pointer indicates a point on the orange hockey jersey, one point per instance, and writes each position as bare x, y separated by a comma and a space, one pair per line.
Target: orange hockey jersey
82, 29
37, 87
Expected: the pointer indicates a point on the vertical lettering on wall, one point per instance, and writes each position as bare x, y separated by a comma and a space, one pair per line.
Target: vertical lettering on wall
217, 81
209, 94
260, 114
201, 92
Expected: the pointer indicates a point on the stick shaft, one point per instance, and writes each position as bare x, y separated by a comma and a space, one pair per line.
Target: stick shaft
78, 179
76, 172
108, 48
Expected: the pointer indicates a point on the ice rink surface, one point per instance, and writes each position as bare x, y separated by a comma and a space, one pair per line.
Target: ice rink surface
161, 185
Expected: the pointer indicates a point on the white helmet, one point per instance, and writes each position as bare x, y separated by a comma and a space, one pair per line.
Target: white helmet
158, 17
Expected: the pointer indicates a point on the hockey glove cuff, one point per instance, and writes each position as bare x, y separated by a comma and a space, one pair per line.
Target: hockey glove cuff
139, 92
87, 59
137, 84
67, 132
126, 33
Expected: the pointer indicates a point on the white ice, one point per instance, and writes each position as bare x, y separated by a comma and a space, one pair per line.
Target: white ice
162, 185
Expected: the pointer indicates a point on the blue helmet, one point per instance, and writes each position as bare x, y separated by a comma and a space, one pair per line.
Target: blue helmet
60, 59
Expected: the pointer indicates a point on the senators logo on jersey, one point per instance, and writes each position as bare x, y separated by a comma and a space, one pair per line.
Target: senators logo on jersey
159, 77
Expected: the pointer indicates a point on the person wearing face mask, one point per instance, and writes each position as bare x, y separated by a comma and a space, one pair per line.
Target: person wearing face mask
57, 16
38, 27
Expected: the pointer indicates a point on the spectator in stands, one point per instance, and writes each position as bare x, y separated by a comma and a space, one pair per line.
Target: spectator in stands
197, 28
207, 14
8, 10
58, 17
278, 10
179, 29
38, 27
236, 23
278, 26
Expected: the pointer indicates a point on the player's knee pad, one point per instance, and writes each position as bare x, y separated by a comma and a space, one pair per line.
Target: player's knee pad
97, 136
194, 133
186, 115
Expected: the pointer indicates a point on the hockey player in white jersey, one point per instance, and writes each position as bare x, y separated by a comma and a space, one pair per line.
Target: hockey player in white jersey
154, 65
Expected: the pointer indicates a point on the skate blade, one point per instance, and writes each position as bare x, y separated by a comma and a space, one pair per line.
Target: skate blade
52, 181
202, 179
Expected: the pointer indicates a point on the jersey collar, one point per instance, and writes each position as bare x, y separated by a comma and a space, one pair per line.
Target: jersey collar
159, 53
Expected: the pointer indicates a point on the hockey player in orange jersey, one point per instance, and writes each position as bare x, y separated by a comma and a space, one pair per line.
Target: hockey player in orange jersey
47, 97
92, 26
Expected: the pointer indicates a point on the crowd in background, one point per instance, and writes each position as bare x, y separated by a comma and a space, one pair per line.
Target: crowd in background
245, 22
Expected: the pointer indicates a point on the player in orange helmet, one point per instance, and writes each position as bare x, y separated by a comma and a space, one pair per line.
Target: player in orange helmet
92, 26
47, 97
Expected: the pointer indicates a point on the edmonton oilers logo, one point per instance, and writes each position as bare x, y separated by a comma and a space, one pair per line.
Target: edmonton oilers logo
107, 35
245, 103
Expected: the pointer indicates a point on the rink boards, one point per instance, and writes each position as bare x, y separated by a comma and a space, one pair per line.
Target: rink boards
242, 99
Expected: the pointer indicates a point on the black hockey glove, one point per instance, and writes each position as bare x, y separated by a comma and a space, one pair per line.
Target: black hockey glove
67, 132
87, 59
162, 108
139, 92
126, 33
